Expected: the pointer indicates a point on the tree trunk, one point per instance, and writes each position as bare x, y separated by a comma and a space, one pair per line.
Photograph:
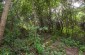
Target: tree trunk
4, 18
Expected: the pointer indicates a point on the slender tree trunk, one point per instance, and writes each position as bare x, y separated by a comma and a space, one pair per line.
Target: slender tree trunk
4, 18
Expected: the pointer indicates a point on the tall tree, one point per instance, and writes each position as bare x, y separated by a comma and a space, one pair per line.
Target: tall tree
4, 18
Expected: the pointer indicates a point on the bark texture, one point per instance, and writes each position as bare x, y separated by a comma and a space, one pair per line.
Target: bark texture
4, 18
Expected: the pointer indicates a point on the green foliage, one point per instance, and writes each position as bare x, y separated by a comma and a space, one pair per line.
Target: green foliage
5, 50
38, 46
80, 15
70, 42
82, 48
10, 36
21, 45
54, 38
26, 7
25, 18
73, 43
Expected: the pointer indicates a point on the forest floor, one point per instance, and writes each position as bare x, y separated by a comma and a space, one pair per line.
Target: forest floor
56, 47
60, 47
63, 49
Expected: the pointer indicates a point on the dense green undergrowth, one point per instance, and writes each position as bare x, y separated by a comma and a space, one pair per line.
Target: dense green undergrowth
35, 27
23, 46
29, 42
